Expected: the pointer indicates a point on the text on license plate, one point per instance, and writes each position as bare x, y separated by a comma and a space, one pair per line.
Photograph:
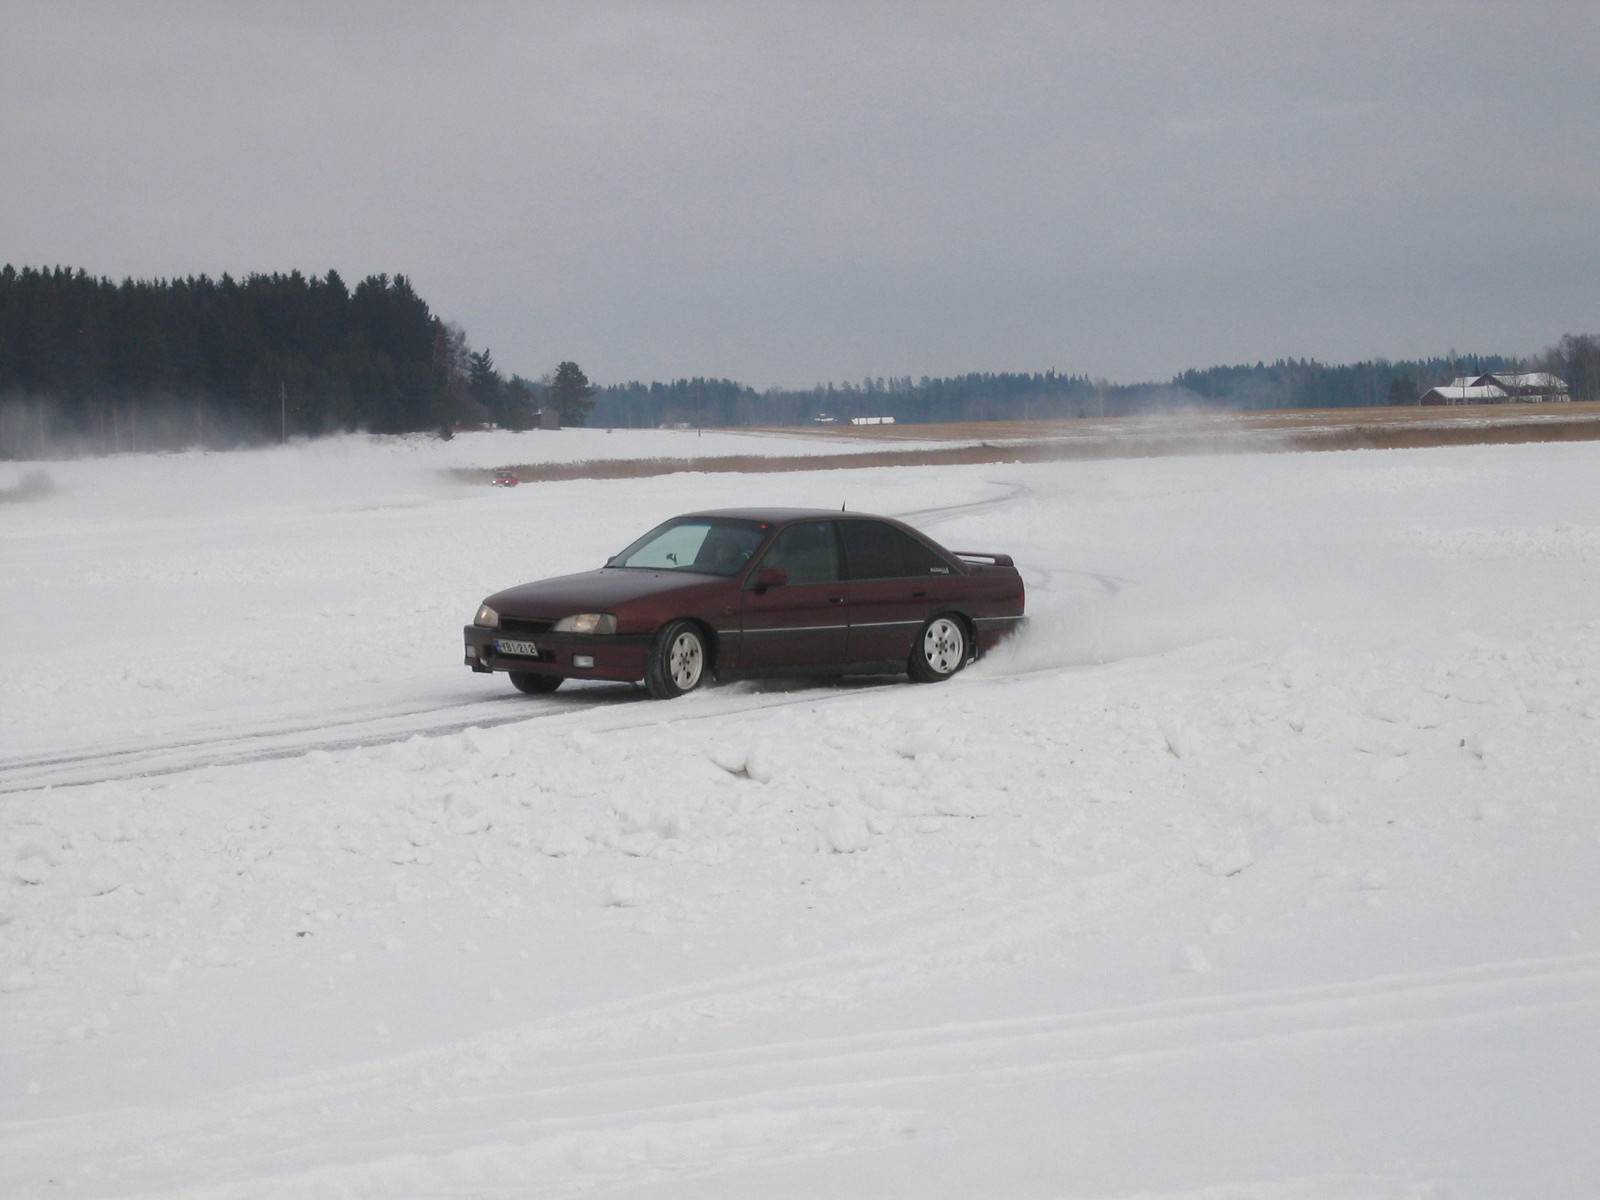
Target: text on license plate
505, 646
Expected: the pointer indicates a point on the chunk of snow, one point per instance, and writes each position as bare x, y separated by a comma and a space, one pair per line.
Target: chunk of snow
97, 1025
491, 743
1329, 810
1193, 960
464, 818
1183, 741
31, 870
20, 980
561, 841
731, 757
1391, 770
758, 763
959, 800
624, 891
846, 832
588, 744
156, 983
1231, 858
102, 879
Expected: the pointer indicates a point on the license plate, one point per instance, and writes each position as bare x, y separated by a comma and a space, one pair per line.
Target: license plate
510, 647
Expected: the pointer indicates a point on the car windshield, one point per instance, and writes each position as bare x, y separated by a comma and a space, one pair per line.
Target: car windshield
704, 545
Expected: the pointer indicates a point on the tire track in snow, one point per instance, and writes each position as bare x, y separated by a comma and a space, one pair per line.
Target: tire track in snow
72, 758
905, 958
1151, 1030
172, 758
567, 1161
834, 1094
1011, 493
31, 772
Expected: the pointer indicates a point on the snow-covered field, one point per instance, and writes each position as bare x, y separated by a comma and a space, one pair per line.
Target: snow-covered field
1264, 866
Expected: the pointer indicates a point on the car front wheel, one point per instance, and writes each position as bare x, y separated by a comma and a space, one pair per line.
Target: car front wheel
940, 650
677, 662
534, 685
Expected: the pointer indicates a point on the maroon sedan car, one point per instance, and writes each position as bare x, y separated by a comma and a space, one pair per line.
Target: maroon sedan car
737, 593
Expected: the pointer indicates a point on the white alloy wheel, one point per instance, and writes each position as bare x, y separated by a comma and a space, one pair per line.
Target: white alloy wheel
686, 660
944, 646
679, 660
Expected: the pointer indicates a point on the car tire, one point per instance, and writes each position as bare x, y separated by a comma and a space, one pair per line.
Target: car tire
678, 661
940, 650
534, 685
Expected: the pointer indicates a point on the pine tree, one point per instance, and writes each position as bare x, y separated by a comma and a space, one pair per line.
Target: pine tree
571, 394
483, 381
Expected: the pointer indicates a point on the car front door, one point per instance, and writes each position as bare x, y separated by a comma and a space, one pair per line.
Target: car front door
804, 621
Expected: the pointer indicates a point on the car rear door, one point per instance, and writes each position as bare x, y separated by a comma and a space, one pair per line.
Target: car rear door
805, 621
896, 583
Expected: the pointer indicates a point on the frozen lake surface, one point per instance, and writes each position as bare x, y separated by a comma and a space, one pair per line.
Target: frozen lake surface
1265, 865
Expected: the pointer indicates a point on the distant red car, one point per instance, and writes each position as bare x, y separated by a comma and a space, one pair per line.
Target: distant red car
744, 592
504, 479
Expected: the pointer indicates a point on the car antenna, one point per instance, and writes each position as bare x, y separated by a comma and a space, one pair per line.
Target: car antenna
841, 506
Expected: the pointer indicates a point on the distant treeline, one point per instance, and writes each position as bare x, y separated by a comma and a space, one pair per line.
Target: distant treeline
158, 363
1291, 383
1288, 383
92, 366
976, 397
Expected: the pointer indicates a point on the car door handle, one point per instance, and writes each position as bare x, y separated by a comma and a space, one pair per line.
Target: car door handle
835, 599
919, 595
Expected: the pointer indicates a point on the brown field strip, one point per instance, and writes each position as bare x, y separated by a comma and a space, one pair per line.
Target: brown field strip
1119, 437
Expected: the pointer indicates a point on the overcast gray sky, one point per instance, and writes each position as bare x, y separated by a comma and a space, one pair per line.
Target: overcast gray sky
790, 193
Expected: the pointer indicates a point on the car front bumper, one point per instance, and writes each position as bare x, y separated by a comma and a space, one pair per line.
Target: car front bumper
569, 655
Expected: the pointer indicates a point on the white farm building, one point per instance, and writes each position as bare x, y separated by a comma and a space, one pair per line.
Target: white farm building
1504, 387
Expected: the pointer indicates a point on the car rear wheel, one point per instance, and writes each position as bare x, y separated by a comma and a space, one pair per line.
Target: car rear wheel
677, 662
940, 650
534, 685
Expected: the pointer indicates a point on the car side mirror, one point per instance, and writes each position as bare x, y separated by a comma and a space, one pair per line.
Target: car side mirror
770, 577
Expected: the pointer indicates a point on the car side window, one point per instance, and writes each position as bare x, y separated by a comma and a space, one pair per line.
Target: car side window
727, 548
809, 553
874, 550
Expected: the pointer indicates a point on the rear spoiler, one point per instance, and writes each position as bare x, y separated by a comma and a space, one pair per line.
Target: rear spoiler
972, 556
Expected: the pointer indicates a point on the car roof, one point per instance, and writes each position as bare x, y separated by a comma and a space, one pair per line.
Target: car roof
780, 516
773, 517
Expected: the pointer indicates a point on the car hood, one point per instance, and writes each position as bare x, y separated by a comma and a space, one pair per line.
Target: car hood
594, 591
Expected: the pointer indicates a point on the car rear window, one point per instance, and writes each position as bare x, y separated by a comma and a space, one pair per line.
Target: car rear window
874, 550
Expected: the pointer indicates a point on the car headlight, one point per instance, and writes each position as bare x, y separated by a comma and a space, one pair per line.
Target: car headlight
487, 617
586, 623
